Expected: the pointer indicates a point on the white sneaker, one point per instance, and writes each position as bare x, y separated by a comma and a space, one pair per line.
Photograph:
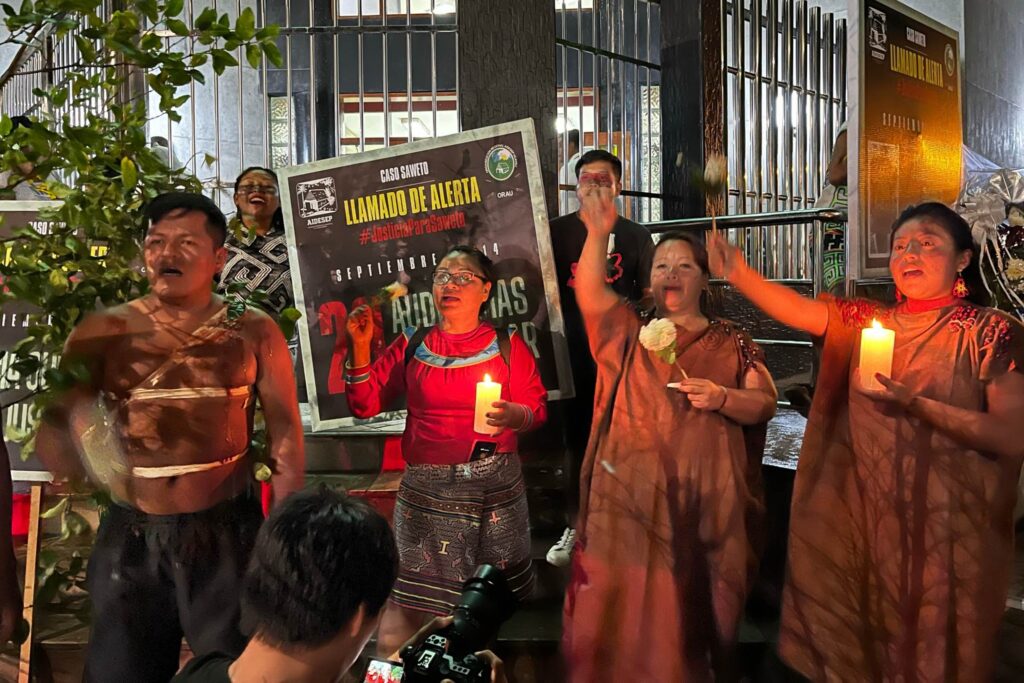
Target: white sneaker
561, 552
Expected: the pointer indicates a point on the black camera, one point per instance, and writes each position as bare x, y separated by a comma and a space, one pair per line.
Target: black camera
485, 604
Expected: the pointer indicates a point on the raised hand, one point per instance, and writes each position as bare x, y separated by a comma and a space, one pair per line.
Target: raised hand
597, 211
360, 326
723, 257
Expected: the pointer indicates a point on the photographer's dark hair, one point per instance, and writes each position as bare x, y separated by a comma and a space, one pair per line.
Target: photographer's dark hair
174, 204
957, 228
318, 557
596, 155
277, 222
700, 255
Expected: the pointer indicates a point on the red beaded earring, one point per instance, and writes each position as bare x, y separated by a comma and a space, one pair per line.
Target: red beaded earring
960, 290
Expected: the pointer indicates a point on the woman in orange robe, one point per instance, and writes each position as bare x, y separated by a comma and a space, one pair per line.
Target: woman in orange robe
901, 531
669, 487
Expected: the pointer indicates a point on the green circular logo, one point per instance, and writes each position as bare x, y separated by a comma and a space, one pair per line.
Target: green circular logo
500, 162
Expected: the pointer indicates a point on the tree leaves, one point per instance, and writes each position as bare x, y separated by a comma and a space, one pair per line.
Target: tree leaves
222, 59
287, 320
174, 7
61, 274
206, 19
129, 176
57, 510
90, 136
253, 55
261, 472
177, 27
245, 28
272, 53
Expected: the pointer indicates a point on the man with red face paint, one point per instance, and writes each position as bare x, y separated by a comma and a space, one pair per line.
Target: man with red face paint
630, 251
163, 415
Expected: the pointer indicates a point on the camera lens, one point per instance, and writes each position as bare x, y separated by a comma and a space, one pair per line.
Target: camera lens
486, 602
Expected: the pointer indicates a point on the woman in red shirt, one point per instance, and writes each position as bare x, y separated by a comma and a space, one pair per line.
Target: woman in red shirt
462, 501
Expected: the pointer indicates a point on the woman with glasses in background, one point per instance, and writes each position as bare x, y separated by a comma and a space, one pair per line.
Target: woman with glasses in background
257, 251
462, 501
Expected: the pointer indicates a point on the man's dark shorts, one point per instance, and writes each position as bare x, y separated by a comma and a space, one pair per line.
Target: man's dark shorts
156, 578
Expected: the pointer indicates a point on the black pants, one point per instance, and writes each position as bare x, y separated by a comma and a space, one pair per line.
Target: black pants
577, 416
155, 578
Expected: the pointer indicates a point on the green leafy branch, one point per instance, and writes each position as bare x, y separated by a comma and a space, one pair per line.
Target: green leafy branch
99, 164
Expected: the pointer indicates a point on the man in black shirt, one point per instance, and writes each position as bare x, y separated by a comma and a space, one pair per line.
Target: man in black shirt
630, 249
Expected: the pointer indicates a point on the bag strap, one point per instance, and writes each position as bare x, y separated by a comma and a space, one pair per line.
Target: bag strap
504, 343
415, 340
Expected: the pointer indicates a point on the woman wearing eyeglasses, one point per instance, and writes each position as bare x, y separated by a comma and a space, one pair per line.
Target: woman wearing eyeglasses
257, 251
462, 501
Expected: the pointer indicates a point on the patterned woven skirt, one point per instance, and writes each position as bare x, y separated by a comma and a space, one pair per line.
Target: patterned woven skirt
451, 518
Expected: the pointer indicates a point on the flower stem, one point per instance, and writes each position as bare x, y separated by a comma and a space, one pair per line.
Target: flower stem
685, 376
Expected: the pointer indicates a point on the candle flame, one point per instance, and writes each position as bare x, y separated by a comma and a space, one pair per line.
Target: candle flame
487, 378
875, 324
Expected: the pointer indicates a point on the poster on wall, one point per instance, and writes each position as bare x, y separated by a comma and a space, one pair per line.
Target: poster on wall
358, 223
16, 390
905, 113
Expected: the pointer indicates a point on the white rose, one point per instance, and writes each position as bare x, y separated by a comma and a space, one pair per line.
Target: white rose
658, 335
1015, 269
715, 171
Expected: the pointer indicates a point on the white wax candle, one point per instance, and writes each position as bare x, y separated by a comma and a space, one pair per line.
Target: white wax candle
487, 392
876, 344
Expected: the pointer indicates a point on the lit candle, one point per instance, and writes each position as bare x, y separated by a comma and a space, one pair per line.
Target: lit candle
487, 392
876, 344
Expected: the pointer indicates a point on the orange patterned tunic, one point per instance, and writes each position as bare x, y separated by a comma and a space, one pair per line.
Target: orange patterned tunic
901, 540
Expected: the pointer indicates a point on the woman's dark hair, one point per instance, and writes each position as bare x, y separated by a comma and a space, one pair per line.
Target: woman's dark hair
318, 557
957, 228
700, 255
261, 169
483, 263
479, 259
277, 220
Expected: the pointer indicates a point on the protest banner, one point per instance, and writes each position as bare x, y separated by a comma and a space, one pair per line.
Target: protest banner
358, 223
16, 391
905, 123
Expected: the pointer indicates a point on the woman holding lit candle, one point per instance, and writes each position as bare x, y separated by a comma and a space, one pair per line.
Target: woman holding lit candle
901, 530
670, 484
470, 390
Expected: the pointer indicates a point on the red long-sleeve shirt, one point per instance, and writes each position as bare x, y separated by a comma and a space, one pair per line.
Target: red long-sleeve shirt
440, 385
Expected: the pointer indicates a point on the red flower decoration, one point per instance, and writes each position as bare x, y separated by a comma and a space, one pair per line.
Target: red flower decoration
860, 312
964, 318
998, 335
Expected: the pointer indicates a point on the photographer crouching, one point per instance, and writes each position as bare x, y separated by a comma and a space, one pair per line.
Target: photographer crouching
322, 568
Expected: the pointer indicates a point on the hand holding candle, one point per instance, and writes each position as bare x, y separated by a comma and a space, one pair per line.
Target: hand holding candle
487, 392
876, 345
